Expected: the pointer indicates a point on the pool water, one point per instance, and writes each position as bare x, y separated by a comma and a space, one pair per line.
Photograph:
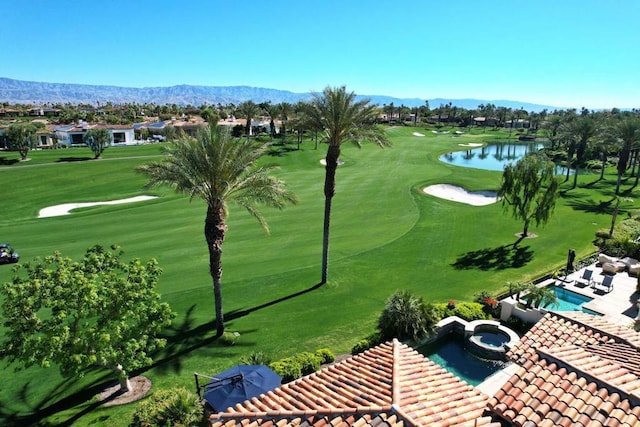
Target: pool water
492, 339
450, 353
569, 301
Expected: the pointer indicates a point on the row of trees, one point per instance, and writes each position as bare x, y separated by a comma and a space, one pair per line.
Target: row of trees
220, 170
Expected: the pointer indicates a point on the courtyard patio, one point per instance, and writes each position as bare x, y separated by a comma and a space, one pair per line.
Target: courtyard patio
618, 305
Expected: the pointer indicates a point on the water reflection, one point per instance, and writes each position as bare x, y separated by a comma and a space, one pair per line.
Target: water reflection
490, 157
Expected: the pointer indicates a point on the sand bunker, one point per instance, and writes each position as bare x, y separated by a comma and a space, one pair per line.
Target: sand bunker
417, 134
459, 194
471, 144
65, 209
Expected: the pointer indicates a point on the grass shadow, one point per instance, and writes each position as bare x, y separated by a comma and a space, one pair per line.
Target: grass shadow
6, 162
73, 159
500, 258
591, 206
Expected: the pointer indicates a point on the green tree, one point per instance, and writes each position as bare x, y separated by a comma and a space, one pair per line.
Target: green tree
406, 316
248, 109
529, 190
100, 311
539, 296
342, 118
219, 169
583, 129
21, 137
625, 133
97, 139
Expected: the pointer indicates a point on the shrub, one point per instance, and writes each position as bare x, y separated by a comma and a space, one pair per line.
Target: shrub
404, 317
366, 343
309, 362
468, 311
255, 358
288, 368
325, 355
171, 407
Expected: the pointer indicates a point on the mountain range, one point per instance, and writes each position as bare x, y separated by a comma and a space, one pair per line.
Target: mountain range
27, 92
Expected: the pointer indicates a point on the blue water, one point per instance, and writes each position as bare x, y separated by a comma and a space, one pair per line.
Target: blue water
569, 301
490, 157
451, 355
492, 339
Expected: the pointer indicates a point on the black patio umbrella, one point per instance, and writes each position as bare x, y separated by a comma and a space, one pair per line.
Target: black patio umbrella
238, 384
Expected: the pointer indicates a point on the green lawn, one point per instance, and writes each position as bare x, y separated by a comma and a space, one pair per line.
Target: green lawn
386, 235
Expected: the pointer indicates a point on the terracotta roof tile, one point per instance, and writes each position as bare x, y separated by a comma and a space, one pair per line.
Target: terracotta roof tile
576, 370
390, 384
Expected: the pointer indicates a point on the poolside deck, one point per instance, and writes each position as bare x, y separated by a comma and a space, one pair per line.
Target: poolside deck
618, 306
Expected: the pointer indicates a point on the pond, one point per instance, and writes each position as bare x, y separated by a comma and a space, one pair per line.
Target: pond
492, 156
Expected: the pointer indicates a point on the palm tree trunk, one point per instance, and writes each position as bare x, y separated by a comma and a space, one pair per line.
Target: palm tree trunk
333, 153
214, 232
575, 176
604, 165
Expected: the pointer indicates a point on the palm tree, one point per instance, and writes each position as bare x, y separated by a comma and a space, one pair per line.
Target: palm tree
341, 118
584, 128
219, 169
626, 133
248, 109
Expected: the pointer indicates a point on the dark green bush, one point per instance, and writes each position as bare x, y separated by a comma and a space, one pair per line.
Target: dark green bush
366, 343
171, 407
309, 362
405, 316
326, 355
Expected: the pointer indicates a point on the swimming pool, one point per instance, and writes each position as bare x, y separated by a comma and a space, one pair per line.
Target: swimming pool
570, 301
449, 352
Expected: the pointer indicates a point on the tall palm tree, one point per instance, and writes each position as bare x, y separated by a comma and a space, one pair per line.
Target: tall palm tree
626, 134
218, 169
584, 128
248, 109
342, 118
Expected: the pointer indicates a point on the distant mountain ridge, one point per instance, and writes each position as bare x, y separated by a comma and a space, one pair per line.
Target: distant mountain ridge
27, 92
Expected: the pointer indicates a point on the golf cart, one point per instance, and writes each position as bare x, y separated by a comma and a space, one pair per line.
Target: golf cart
7, 255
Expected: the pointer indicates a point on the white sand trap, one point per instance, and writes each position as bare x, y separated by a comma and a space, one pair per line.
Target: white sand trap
472, 144
65, 209
417, 134
459, 194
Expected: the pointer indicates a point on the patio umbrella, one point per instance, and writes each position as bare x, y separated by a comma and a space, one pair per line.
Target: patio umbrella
238, 384
571, 256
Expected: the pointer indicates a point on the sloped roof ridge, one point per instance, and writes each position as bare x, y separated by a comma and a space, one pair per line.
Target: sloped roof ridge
548, 354
616, 332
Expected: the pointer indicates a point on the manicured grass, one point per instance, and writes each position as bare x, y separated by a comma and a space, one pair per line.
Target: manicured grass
386, 235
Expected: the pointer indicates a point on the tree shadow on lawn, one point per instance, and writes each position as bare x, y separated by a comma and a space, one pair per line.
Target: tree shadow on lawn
44, 408
5, 161
500, 258
591, 206
181, 339
73, 159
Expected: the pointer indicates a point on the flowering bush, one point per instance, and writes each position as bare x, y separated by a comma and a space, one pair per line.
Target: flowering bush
451, 304
491, 302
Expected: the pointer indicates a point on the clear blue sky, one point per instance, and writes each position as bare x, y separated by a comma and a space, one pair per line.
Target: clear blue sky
565, 53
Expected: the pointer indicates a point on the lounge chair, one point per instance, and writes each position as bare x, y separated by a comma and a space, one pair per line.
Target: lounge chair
605, 286
613, 267
604, 258
585, 279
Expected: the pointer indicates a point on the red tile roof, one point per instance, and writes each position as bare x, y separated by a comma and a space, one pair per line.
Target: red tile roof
576, 369
390, 384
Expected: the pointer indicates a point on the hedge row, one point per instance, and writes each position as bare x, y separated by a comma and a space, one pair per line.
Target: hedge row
305, 363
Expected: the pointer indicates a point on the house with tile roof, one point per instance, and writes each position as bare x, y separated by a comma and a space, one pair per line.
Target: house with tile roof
575, 369
391, 384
